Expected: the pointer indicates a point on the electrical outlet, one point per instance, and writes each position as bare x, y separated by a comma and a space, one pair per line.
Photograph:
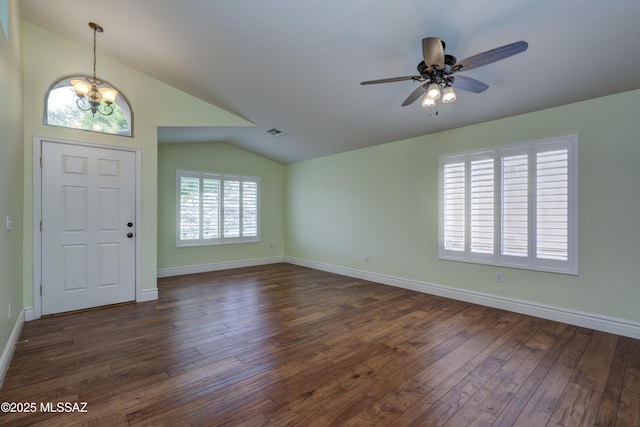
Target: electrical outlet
272, 245
9, 222
9, 310
499, 277
366, 259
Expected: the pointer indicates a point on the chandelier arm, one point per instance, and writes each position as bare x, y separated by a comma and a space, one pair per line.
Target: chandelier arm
81, 103
107, 109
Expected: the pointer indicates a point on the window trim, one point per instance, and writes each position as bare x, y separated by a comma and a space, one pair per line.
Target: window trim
221, 240
531, 261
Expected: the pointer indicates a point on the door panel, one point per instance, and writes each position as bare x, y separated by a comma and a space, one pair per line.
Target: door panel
88, 197
74, 271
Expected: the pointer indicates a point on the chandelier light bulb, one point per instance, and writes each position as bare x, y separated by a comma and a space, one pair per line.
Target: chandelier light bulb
433, 91
428, 102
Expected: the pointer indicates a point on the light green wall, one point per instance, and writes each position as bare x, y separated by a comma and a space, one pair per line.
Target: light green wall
218, 158
10, 174
47, 59
382, 202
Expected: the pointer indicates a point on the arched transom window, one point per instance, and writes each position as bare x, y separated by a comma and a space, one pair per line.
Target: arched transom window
65, 108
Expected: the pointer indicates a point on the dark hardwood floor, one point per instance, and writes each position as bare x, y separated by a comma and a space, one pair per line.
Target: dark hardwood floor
282, 345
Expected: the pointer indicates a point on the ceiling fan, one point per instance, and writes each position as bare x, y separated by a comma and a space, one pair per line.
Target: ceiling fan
437, 69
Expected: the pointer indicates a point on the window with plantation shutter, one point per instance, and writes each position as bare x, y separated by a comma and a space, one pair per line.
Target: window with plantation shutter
512, 206
215, 209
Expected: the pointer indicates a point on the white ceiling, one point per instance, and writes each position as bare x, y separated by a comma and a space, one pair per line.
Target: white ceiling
296, 65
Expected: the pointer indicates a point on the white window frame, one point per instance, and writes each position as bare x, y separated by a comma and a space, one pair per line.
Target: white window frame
531, 261
221, 239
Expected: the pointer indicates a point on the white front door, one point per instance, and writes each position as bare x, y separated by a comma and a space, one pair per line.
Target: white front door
88, 229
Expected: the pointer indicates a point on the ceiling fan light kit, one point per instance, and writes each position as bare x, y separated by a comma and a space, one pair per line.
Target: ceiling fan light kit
437, 69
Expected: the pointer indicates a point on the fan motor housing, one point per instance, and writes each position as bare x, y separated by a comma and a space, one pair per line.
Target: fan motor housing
449, 61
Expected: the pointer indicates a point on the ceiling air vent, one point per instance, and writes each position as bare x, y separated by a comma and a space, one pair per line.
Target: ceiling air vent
276, 132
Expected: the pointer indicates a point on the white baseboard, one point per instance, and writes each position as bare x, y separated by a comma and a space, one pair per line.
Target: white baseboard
204, 268
7, 353
147, 295
29, 315
588, 320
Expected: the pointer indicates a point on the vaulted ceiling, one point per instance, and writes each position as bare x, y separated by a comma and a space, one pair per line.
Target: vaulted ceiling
297, 65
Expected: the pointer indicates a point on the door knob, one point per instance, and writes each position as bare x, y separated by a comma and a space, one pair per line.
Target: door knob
129, 235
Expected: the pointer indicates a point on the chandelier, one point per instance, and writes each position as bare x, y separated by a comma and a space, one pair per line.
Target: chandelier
92, 91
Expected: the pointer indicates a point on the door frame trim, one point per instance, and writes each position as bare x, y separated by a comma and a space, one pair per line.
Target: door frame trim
37, 214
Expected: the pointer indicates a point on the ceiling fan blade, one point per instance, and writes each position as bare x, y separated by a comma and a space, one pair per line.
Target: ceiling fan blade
492, 55
389, 80
469, 84
415, 95
433, 52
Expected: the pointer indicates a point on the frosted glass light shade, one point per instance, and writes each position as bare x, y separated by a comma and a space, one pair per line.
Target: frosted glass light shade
108, 94
448, 95
428, 102
433, 91
81, 87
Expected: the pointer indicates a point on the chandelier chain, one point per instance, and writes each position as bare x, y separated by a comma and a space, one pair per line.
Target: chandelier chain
94, 53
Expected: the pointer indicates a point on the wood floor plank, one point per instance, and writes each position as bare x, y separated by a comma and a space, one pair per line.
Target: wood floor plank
531, 403
629, 409
282, 345
608, 411
577, 406
459, 350
461, 386
496, 394
598, 355
540, 406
